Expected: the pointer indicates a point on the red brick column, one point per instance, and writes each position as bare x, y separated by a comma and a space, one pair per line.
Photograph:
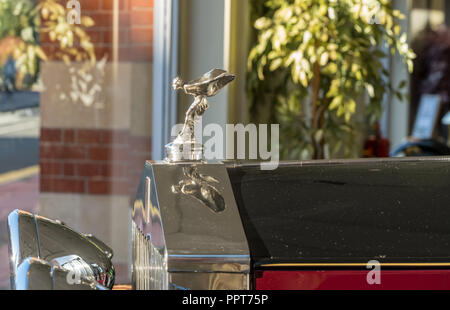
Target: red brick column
100, 161
135, 29
96, 162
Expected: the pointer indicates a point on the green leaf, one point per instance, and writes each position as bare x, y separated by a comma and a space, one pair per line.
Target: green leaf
303, 79
323, 59
330, 69
370, 90
410, 65
319, 135
262, 23
275, 64
335, 34
336, 102
352, 106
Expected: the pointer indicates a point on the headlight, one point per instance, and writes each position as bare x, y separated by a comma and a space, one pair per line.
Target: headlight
55, 243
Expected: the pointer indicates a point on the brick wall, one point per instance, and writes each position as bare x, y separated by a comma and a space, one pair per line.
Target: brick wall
101, 161
95, 162
135, 29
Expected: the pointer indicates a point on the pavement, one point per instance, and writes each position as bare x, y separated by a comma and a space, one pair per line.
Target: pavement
18, 100
19, 178
19, 173
4, 272
22, 194
20, 124
19, 140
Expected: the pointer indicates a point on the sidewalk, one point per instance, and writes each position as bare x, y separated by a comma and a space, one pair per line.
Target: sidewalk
23, 123
19, 173
19, 140
4, 271
21, 194
19, 153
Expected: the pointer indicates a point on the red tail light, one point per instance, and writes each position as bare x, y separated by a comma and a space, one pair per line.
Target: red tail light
351, 280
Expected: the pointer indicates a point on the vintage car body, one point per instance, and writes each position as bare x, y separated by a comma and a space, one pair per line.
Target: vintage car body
228, 225
305, 225
308, 225
186, 220
316, 225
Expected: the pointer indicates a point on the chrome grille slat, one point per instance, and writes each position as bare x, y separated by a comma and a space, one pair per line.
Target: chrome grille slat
149, 267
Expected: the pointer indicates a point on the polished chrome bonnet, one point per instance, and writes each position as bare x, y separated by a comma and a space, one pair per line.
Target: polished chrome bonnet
187, 232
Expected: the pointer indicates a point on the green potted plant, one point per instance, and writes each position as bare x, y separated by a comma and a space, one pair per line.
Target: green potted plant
313, 61
22, 25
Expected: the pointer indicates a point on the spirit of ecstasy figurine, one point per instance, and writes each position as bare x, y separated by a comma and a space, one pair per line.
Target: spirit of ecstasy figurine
185, 147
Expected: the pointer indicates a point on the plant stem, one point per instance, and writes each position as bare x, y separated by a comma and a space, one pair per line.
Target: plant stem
314, 115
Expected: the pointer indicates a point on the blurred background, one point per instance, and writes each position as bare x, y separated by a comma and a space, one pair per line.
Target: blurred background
86, 98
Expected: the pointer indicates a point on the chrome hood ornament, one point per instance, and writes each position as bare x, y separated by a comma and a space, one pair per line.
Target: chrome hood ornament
201, 187
185, 147
187, 232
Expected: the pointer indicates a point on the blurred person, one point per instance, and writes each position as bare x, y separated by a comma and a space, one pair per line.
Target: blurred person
432, 70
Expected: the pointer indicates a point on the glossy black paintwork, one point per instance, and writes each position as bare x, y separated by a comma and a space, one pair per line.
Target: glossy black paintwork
390, 210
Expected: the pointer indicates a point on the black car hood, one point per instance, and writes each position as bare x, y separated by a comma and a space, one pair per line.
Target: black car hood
391, 210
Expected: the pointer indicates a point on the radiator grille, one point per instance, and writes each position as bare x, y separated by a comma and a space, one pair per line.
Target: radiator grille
149, 265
